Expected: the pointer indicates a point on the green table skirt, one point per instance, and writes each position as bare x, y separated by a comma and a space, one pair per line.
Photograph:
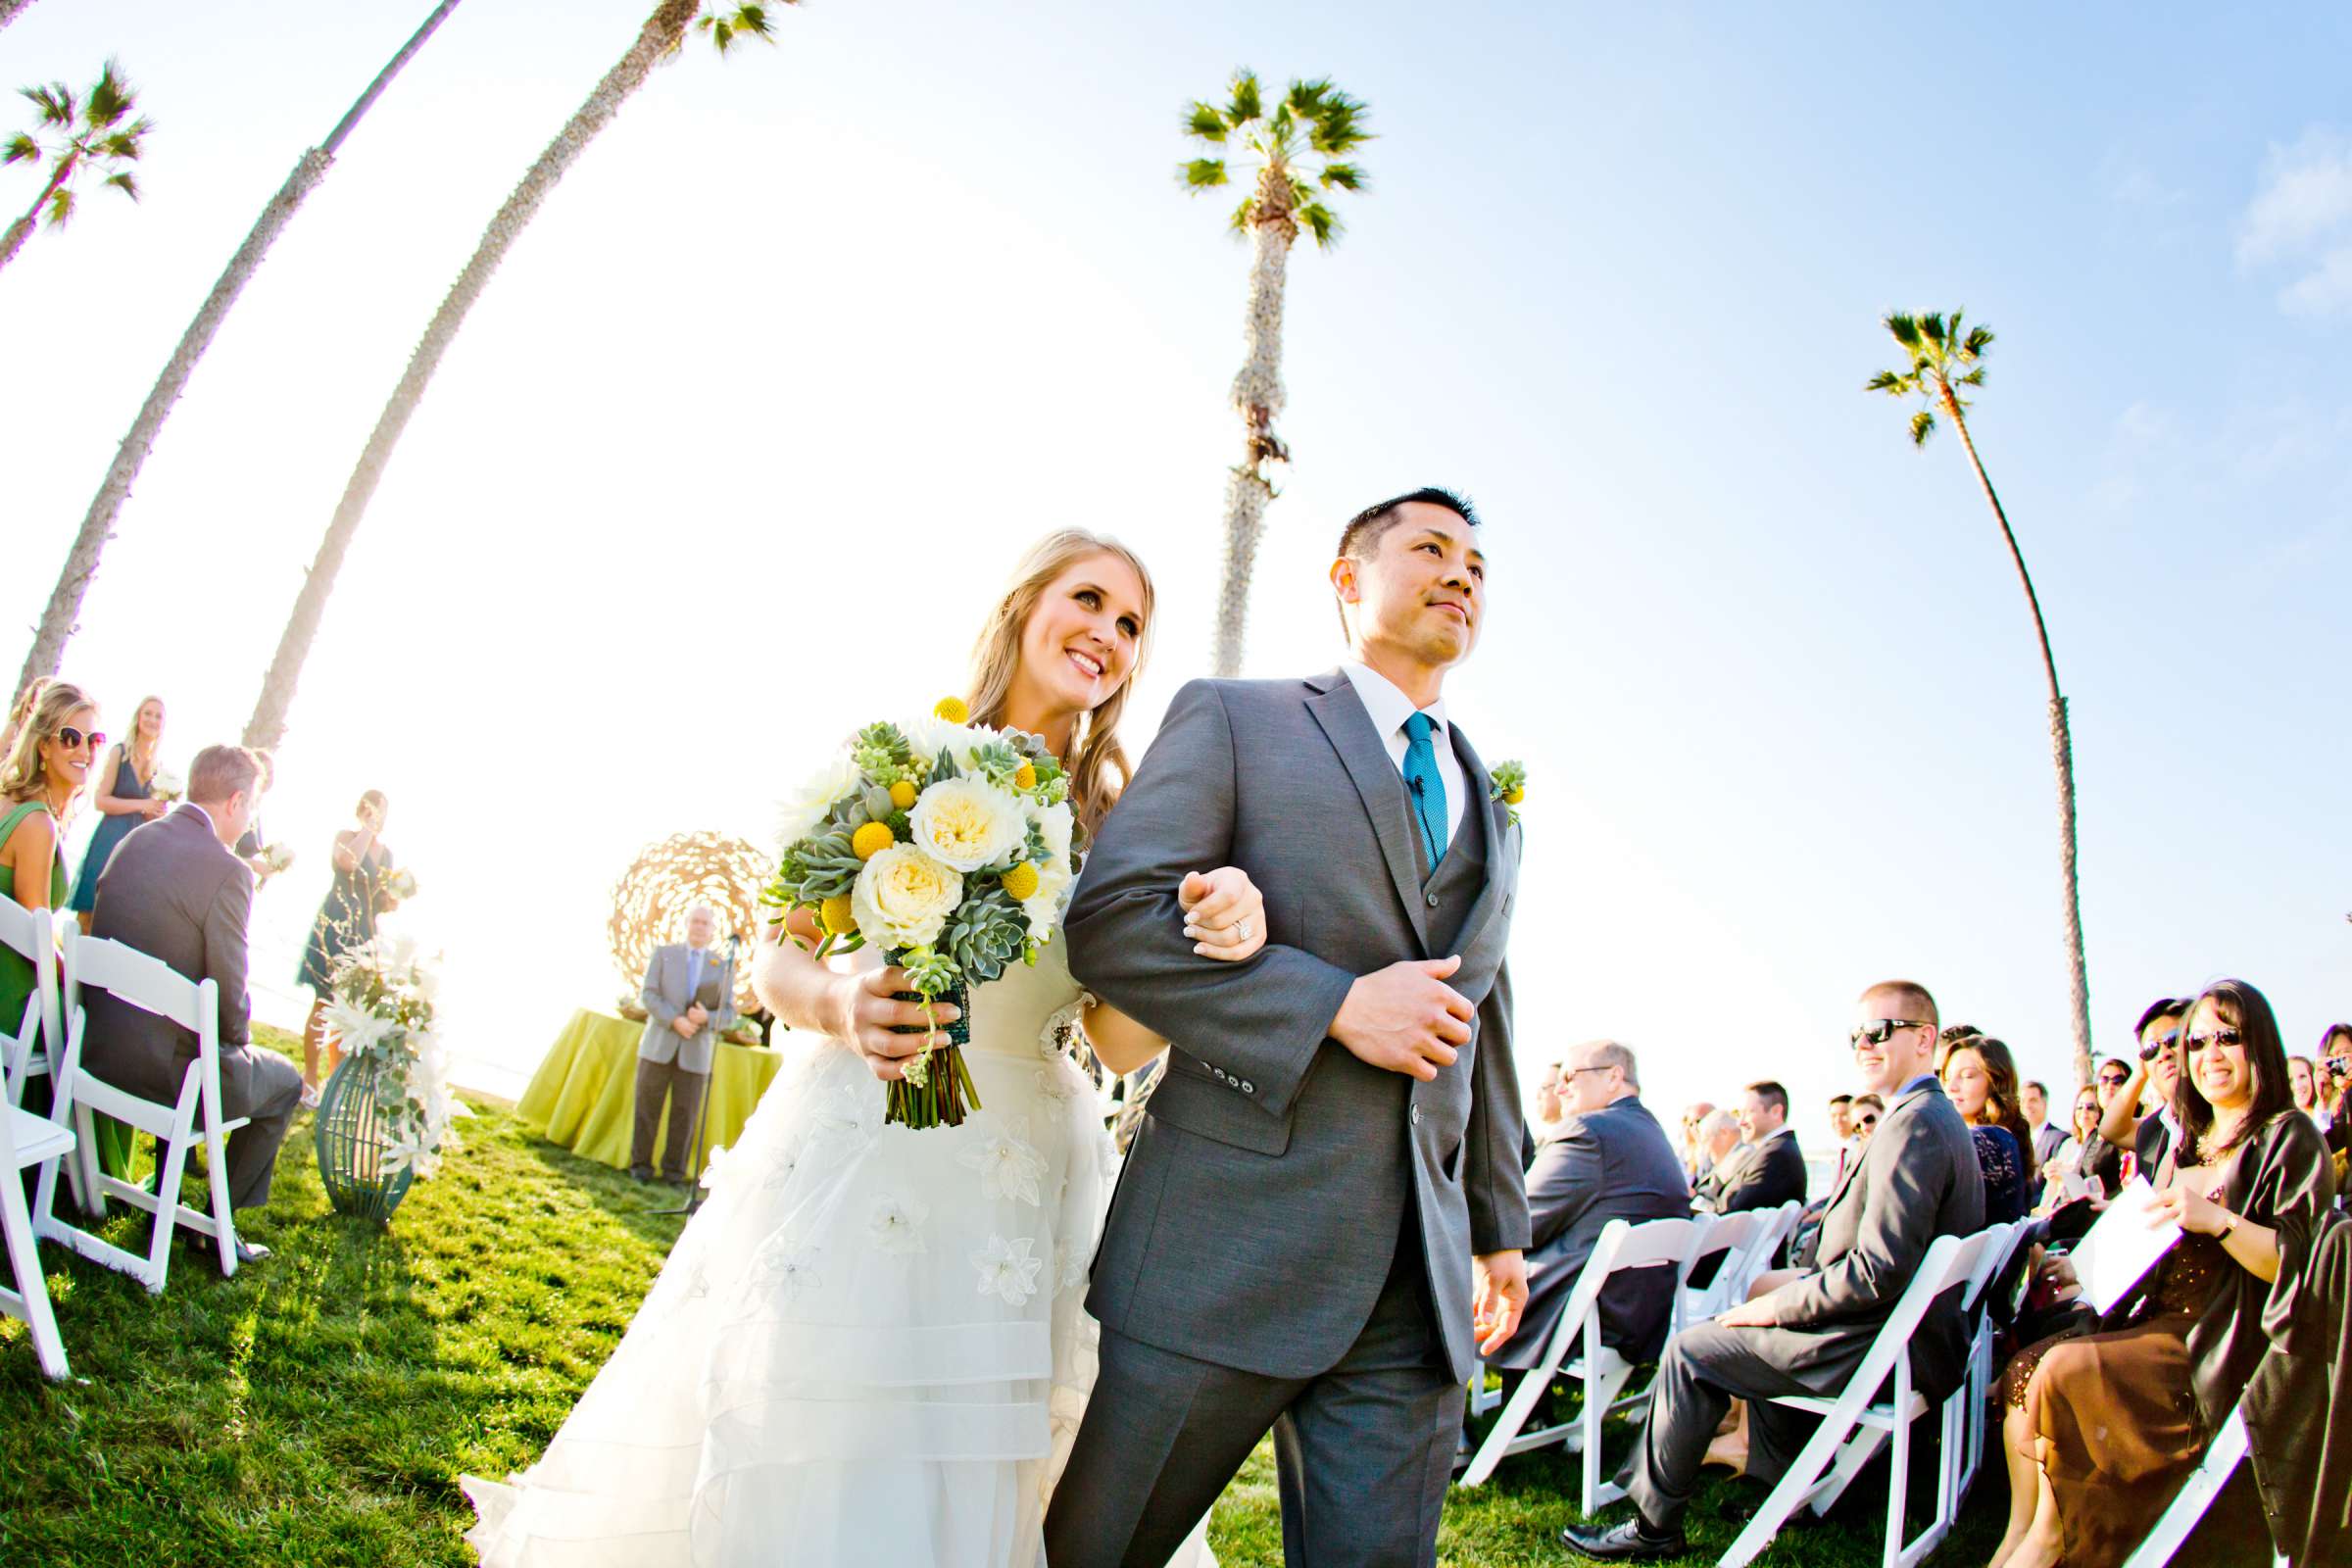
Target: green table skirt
584, 1095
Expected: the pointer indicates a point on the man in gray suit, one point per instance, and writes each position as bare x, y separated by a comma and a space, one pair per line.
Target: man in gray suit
174, 890
689, 999
1611, 1160
1916, 1179
1329, 1169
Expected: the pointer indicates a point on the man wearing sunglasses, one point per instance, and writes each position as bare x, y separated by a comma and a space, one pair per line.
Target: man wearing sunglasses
1805, 1333
2148, 1137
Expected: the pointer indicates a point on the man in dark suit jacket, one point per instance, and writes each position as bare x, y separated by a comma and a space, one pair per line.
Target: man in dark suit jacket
1611, 1160
174, 890
1771, 1168
1916, 1180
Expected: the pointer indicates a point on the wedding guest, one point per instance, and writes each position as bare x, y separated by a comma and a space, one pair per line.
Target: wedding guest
2084, 1154
346, 920
1696, 1159
1806, 1331
2298, 1405
1980, 1078
2148, 1137
2335, 1094
1721, 1154
123, 798
1868, 1109
2097, 1425
1841, 1130
1773, 1170
2303, 1075
47, 761
2044, 1136
252, 848
2113, 1074
689, 1000
1611, 1160
174, 890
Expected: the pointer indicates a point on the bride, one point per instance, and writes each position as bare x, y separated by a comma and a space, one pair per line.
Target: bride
870, 1346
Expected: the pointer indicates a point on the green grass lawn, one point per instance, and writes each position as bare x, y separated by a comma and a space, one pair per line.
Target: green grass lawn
319, 1408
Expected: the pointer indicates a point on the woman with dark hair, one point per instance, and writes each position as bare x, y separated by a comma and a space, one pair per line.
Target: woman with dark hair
2333, 1070
1980, 1077
2098, 1425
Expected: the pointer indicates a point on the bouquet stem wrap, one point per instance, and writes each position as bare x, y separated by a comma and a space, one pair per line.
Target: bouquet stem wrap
939, 1091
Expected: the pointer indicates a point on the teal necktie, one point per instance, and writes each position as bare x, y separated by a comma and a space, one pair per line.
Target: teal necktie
1427, 788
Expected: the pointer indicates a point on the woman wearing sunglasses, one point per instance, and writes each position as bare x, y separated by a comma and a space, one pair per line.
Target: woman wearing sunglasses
2098, 1425
46, 766
2084, 1154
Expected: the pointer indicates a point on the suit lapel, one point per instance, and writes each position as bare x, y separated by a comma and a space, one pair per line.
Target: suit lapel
1499, 827
1349, 728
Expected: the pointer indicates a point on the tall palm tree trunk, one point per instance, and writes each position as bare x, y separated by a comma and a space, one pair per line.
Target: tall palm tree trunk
11, 10
97, 526
1258, 395
21, 229
2062, 754
660, 35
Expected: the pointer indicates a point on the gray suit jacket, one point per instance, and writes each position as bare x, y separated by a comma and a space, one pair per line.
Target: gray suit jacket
172, 891
1262, 1200
1917, 1179
666, 996
1615, 1163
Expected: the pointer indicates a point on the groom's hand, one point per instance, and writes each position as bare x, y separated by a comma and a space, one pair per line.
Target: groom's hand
1502, 1298
1406, 1019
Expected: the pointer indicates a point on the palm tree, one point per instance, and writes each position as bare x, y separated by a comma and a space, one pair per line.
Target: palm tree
1299, 151
10, 10
97, 524
659, 37
1946, 356
97, 132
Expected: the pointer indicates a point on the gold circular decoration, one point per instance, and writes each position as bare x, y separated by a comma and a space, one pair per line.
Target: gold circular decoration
651, 899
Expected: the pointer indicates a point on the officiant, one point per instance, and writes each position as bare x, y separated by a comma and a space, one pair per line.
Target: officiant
689, 998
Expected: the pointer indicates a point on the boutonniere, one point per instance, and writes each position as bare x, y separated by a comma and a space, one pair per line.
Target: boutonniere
1509, 781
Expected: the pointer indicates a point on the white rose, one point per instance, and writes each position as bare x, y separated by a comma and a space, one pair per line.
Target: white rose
1055, 823
903, 897
968, 823
930, 735
1042, 908
803, 810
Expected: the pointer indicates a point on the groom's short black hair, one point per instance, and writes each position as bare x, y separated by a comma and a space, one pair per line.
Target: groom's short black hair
1362, 534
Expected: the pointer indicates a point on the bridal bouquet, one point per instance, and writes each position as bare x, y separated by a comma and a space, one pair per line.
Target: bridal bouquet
165, 785
401, 884
383, 1013
947, 845
278, 857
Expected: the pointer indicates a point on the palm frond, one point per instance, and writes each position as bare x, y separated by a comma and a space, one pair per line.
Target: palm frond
1244, 216
1337, 124
1980, 338
112, 98
126, 182
1892, 383
123, 144
1342, 177
1201, 173
60, 205
1975, 377
1923, 425
55, 101
1931, 328
21, 149
1204, 121
1305, 98
1320, 221
1247, 104
1904, 329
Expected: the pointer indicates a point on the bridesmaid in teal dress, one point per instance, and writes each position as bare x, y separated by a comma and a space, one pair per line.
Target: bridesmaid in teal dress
345, 920
124, 799
48, 761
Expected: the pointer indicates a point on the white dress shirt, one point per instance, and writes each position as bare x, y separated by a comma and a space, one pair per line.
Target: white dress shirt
1389, 709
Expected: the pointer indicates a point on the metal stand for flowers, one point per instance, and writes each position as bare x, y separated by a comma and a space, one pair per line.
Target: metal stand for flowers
352, 1135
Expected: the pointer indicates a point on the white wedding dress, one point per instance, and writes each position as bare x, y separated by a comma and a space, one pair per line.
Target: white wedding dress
868, 1348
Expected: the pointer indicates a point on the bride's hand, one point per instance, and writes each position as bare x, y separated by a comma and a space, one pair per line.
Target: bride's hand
865, 1011
1224, 914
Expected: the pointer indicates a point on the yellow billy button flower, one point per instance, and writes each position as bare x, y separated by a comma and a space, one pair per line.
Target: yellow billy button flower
1513, 797
952, 710
1021, 882
836, 915
871, 840
1026, 776
901, 795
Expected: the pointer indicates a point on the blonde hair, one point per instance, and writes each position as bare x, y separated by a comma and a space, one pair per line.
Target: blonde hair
130, 740
1097, 764
47, 708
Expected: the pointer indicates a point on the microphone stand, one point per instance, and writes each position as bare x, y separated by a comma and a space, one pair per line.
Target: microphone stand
701, 1108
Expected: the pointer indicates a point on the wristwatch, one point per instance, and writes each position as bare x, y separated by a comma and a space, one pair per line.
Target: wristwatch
2229, 1225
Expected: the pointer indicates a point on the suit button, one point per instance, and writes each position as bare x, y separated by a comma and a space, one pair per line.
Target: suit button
1433, 900
1249, 1088
1416, 1115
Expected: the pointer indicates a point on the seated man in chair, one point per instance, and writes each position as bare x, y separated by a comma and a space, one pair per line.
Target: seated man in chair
1804, 1334
174, 890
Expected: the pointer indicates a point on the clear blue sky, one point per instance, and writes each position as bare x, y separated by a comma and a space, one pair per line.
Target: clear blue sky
811, 342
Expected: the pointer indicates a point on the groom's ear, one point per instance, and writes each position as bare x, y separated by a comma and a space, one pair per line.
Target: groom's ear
1343, 580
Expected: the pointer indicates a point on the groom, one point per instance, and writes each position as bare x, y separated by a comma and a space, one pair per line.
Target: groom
1329, 1167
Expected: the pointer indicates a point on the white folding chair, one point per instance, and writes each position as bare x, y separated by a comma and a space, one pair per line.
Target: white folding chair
28, 1141
1993, 1267
1653, 1244
28, 1044
2222, 1455
1854, 1424
1782, 1227
148, 983
1734, 1238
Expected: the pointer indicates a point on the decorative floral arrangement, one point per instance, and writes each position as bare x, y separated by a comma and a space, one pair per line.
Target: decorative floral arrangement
383, 1009
947, 845
401, 883
278, 857
166, 786
1510, 787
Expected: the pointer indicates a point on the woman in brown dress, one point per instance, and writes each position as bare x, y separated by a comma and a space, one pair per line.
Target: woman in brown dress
2100, 1429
